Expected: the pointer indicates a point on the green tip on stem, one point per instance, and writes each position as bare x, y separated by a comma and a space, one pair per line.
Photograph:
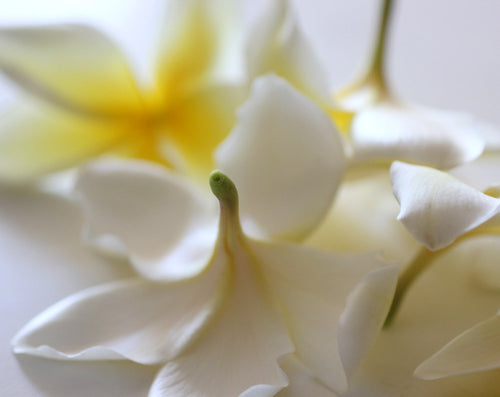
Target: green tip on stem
223, 188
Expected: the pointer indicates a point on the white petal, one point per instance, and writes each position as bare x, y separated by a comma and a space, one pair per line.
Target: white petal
482, 173
314, 289
302, 381
134, 319
477, 349
437, 208
73, 66
166, 227
238, 353
276, 44
286, 158
436, 138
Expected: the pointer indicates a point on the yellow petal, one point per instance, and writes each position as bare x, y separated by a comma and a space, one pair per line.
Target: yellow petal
188, 49
200, 122
73, 66
36, 139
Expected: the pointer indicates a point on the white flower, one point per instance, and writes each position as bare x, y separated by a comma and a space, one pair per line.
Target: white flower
221, 317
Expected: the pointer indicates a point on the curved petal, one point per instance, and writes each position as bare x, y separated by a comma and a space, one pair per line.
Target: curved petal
37, 139
437, 208
477, 349
166, 227
73, 66
196, 34
329, 300
302, 381
134, 319
286, 158
238, 353
436, 138
277, 45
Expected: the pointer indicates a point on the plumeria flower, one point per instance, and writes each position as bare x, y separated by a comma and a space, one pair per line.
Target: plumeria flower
83, 99
217, 308
386, 129
440, 210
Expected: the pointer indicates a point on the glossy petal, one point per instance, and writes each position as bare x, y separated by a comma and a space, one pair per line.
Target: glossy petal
329, 300
166, 227
277, 45
37, 139
73, 66
286, 158
134, 319
238, 352
436, 138
437, 208
477, 349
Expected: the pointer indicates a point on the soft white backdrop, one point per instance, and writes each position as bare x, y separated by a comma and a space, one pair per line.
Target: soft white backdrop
443, 53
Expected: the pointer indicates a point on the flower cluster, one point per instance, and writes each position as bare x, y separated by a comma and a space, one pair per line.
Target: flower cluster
259, 215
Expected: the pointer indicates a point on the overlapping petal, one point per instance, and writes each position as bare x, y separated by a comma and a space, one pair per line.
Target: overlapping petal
287, 159
391, 131
475, 350
165, 225
436, 208
331, 302
278, 45
73, 66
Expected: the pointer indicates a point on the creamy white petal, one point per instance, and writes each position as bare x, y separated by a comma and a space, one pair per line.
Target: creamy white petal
302, 381
329, 300
482, 173
286, 158
436, 208
238, 353
477, 349
391, 131
276, 44
166, 226
133, 319
443, 302
73, 66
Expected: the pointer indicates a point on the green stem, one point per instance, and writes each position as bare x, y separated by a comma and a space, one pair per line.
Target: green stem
419, 264
374, 75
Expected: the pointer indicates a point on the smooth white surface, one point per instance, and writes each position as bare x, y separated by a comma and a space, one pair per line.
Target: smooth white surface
443, 53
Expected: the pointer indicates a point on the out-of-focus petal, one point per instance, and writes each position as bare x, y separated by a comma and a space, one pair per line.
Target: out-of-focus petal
199, 122
477, 349
329, 300
277, 45
436, 208
36, 139
389, 131
196, 33
166, 227
72, 66
133, 319
287, 159
482, 173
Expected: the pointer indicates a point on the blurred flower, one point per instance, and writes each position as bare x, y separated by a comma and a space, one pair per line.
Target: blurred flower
212, 307
84, 101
